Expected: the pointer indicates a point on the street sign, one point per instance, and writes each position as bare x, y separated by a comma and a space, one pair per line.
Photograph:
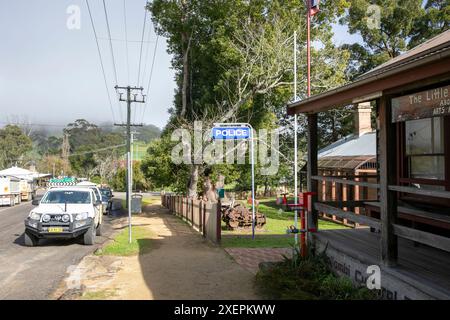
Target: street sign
231, 133
239, 131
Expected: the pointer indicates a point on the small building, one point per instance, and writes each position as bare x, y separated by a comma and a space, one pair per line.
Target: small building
353, 157
408, 220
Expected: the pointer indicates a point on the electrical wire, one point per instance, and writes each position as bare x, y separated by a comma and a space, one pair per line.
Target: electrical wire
142, 44
113, 60
97, 150
126, 39
101, 62
150, 78
110, 42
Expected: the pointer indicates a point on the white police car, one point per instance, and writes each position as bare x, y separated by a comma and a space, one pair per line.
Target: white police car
66, 212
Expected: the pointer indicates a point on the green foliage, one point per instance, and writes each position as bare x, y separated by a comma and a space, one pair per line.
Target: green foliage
233, 62
148, 133
14, 145
396, 21
403, 25
158, 167
140, 243
435, 20
140, 183
308, 278
85, 139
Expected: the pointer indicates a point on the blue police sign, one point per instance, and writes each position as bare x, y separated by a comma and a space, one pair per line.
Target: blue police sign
231, 133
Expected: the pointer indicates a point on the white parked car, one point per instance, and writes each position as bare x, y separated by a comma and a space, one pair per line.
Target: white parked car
66, 212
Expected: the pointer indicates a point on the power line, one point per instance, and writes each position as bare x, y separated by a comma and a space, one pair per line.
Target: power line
112, 53
101, 61
97, 150
142, 44
151, 76
110, 42
126, 39
146, 54
49, 125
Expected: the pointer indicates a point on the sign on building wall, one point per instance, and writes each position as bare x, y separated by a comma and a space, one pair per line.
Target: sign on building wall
426, 104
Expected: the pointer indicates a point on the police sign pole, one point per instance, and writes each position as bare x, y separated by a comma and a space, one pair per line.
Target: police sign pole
239, 131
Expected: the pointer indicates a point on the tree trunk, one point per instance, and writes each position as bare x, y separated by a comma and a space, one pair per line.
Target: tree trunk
266, 187
193, 181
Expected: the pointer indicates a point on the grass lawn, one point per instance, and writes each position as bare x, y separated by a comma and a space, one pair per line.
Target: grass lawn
98, 295
140, 243
145, 201
278, 221
151, 200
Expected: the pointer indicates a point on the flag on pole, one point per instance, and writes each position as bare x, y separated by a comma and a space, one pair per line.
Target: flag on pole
314, 7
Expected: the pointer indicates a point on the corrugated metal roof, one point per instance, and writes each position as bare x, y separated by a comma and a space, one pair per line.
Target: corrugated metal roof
347, 163
352, 146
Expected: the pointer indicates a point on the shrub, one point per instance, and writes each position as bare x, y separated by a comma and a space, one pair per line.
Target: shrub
308, 278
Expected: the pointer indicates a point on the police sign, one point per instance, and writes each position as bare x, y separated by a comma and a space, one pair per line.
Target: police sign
233, 133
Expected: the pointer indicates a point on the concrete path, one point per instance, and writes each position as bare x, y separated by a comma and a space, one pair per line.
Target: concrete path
180, 265
250, 258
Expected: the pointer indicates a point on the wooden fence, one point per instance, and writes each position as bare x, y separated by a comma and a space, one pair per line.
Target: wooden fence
204, 217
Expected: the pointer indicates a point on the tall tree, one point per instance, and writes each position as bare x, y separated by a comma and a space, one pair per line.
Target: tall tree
240, 60
14, 145
385, 27
435, 20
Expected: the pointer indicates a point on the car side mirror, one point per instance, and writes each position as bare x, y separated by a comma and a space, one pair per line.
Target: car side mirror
98, 202
35, 202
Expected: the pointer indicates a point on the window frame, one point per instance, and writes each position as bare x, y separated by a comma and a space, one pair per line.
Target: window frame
404, 163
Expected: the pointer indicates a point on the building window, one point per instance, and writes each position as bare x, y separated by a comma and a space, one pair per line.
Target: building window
425, 150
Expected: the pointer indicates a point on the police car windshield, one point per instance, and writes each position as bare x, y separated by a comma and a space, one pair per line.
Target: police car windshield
74, 197
105, 192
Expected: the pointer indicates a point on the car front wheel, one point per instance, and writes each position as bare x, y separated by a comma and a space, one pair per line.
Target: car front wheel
30, 240
89, 236
98, 231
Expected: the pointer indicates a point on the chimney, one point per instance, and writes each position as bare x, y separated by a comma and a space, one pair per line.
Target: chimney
363, 120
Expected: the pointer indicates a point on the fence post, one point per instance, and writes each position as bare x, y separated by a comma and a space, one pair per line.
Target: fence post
192, 211
218, 222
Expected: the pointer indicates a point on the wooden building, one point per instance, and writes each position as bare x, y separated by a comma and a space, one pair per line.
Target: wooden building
409, 218
353, 157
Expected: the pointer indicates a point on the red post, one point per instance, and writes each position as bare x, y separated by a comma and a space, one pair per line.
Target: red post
308, 46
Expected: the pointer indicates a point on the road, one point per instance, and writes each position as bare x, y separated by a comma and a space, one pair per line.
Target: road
34, 273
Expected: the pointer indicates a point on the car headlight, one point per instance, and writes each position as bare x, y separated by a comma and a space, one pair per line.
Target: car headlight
46, 218
79, 224
34, 216
66, 218
81, 216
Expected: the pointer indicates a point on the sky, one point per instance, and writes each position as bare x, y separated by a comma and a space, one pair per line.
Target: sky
51, 74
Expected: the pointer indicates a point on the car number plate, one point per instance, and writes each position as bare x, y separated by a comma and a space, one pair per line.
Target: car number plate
55, 230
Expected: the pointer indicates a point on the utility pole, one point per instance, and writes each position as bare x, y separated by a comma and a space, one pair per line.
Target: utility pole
132, 156
128, 125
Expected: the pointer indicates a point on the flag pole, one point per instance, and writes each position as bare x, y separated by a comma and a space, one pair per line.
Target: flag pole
295, 142
303, 250
308, 45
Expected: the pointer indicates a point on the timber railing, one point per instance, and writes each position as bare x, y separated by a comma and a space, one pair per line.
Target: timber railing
338, 205
202, 216
424, 237
343, 198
